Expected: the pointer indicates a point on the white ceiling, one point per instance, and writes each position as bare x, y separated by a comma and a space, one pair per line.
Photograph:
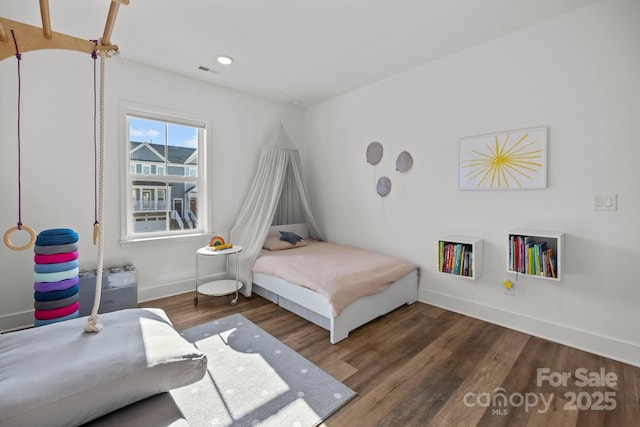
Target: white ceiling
306, 50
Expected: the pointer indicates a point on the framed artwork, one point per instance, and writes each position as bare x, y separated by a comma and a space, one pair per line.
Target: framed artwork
510, 160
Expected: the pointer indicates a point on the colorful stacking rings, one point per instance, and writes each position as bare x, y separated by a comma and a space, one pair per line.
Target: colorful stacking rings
56, 276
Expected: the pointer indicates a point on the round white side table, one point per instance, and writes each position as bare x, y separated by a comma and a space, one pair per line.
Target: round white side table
218, 287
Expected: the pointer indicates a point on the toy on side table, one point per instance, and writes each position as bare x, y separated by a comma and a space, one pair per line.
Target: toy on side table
217, 243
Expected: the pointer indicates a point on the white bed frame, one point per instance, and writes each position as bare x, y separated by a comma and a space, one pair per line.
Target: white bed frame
315, 308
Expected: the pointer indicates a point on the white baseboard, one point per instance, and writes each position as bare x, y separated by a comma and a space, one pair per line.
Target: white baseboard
24, 319
612, 348
14, 321
170, 289
165, 290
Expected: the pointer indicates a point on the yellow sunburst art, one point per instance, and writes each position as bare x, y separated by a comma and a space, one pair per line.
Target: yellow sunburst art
509, 160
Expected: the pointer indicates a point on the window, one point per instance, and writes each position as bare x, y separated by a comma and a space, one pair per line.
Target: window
166, 170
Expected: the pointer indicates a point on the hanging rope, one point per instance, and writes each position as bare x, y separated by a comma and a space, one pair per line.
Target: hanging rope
92, 322
19, 226
96, 223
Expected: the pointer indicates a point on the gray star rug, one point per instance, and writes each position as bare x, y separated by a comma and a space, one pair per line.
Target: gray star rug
255, 380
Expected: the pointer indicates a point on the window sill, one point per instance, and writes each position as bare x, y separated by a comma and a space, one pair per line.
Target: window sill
160, 240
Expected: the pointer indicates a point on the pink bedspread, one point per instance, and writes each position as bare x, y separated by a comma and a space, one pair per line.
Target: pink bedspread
340, 273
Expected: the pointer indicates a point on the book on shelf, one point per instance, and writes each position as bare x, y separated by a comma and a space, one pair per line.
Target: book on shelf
531, 256
455, 258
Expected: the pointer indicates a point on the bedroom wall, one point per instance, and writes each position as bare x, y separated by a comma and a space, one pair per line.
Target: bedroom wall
57, 165
577, 75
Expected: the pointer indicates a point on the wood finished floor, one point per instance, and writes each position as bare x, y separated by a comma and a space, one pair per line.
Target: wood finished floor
418, 365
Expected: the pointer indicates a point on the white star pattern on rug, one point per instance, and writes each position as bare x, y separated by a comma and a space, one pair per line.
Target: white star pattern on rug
255, 380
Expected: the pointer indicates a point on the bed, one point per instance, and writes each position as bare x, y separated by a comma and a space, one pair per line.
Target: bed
293, 290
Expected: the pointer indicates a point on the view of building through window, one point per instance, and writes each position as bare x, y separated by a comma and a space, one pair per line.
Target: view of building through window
164, 177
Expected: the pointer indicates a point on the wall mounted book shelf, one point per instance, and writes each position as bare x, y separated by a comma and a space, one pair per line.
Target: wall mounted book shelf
535, 253
460, 256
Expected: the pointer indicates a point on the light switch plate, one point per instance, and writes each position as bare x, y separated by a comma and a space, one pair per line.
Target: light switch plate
605, 202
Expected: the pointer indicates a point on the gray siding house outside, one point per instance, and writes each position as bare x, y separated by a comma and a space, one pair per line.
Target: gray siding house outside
155, 202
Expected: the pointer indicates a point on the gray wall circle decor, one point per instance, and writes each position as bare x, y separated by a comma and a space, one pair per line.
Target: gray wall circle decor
404, 162
384, 186
374, 153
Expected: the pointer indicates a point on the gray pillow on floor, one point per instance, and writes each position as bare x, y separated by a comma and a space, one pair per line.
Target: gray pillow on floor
58, 375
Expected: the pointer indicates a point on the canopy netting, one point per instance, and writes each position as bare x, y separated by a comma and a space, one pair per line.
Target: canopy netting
277, 196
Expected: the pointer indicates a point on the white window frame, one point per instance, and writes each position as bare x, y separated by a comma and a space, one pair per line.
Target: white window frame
128, 236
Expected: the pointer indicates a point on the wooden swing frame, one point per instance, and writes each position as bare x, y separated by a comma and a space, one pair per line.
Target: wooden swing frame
31, 38
25, 38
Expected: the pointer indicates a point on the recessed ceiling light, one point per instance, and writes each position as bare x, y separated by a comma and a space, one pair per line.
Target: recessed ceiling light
225, 60
296, 102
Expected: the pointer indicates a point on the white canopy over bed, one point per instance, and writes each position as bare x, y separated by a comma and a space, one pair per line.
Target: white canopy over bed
277, 196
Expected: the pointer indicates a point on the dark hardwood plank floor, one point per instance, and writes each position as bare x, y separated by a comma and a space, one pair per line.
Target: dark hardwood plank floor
424, 366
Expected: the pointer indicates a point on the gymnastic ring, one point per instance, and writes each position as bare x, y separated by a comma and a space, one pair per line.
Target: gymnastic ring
19, 248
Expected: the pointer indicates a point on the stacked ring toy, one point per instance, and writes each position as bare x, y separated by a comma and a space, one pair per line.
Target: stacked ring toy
56, 290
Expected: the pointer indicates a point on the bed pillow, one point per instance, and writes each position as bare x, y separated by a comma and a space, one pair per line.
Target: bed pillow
289, 236
276, 244
58, 375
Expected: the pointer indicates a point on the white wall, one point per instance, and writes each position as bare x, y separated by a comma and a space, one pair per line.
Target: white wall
576, 74
57, 164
